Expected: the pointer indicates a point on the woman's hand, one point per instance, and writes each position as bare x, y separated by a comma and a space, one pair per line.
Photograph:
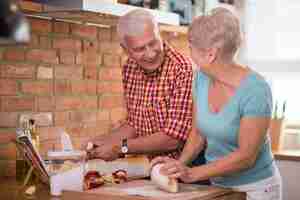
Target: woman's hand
175, 169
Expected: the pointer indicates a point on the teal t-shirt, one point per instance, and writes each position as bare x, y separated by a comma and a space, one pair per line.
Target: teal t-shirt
253, 98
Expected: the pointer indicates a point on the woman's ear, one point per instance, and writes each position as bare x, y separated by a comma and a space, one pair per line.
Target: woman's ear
212, 55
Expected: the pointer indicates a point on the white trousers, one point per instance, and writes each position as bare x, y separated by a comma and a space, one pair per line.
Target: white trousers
266, 189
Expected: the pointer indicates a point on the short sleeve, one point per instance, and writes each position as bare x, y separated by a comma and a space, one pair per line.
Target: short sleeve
257, 101
196, 83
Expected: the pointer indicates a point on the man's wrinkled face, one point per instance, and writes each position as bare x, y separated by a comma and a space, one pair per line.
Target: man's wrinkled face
146, 49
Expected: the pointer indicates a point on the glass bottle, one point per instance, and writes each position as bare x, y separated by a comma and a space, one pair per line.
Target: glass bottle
34, 135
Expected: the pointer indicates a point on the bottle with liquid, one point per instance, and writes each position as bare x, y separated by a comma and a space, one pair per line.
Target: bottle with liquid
34, 135
21, 165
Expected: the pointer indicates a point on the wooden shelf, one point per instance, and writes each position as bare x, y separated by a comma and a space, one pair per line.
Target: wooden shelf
176, 29
290, 155
99, 7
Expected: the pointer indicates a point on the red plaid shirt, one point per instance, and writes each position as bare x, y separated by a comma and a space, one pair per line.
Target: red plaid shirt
160, 102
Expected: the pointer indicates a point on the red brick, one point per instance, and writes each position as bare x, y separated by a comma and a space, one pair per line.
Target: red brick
104, 34
91, 45
89, 130
103, 128
117, 115
44, 72
69, 72
17, 71
61, 27
124, 59
40, 25
91, 73
45, 103
7, 135
41, 55
8, 152
8, 87
14, 55
30, 6
84, 31
7, 168
62, 87
71, 103
83, 116
41, 119
74, 129
90, 57
8, 119
34, 41
103, 115
111, 47
110, 73
78, 140
67, 57
50, 145
114, 34
111, 60
37, 87
110, 87
61, 118
45, 42
84, 87
90, 103
79, 59
67, 44
10, 104
109, 102
49, 133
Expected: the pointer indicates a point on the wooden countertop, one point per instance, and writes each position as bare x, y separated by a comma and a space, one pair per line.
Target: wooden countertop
12, 190
145, 190
290, 155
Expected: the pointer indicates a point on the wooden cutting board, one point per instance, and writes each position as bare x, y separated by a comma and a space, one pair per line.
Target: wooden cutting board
146, 190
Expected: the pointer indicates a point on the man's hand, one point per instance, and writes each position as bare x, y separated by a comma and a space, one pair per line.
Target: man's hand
108, 151
97, 141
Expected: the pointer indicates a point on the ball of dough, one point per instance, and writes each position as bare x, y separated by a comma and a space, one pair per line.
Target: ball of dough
162, 181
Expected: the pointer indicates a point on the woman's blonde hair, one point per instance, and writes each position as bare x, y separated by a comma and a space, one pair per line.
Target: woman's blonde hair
218, 29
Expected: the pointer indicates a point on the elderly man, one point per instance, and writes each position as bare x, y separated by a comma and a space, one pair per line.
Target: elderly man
157, 89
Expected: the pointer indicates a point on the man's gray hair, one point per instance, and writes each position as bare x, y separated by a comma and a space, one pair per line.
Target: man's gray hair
134, 23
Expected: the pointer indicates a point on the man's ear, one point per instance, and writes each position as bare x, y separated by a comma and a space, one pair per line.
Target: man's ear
124, 48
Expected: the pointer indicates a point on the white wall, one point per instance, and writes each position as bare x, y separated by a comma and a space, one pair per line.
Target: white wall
271, 30
290, 173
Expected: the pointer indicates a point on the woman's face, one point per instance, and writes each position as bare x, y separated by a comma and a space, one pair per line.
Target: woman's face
202, 56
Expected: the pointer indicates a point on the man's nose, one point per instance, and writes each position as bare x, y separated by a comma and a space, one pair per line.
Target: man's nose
150, 53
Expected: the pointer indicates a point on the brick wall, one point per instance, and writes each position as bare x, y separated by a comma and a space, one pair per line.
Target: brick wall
68, 76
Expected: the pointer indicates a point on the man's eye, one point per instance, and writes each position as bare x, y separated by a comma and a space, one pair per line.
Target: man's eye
152, 44
139, 49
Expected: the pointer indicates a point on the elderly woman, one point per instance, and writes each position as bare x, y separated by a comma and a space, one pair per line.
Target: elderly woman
232, 110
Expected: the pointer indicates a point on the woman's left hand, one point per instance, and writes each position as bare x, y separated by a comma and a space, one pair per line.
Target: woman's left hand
175, 169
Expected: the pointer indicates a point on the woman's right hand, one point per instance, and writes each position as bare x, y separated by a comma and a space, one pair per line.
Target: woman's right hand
174, 169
